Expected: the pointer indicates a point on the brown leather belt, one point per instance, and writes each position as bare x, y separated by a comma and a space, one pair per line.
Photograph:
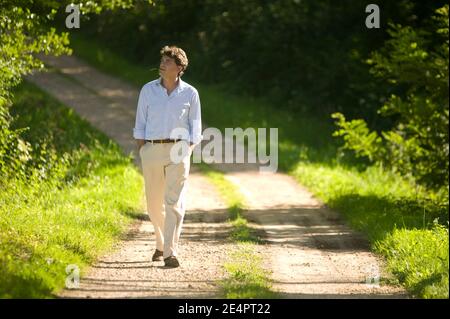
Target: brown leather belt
167, 140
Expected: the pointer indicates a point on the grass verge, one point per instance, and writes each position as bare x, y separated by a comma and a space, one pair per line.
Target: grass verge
390, 209
78, 197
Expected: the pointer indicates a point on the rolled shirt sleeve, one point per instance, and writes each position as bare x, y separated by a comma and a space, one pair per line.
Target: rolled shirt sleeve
141, 115
195, 120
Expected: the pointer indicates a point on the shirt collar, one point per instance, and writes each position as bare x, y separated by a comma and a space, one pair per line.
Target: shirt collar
181, 84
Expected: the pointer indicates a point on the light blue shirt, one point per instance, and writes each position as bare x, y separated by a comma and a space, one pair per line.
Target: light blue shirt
161, 116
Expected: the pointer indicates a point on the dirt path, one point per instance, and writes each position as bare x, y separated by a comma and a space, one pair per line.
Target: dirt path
309, 249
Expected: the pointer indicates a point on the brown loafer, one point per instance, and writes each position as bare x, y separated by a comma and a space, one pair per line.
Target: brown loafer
158, 255
171, 262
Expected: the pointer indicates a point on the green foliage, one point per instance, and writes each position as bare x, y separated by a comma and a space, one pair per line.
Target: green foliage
12, 156
25, 31
21, 36
358, 137
415, 63
306, 56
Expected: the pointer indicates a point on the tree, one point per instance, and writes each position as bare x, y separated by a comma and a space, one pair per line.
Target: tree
25, 31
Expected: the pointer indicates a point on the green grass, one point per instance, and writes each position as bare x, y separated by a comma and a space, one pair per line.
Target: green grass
387, 207
419, 258
78, 198
247, 277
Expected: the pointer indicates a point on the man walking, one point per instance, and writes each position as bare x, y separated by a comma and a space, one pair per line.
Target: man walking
168, 120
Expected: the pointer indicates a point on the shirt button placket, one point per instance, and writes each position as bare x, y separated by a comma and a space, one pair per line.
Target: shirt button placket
166, 117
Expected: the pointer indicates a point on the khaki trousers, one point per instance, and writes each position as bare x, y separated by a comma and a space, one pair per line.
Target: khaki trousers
165, 188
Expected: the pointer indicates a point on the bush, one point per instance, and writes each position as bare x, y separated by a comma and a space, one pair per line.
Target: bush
25, 31
415, 63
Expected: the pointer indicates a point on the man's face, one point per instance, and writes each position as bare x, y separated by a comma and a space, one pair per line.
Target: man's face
168, 68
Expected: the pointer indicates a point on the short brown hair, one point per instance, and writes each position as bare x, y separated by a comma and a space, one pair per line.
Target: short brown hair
178, 55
